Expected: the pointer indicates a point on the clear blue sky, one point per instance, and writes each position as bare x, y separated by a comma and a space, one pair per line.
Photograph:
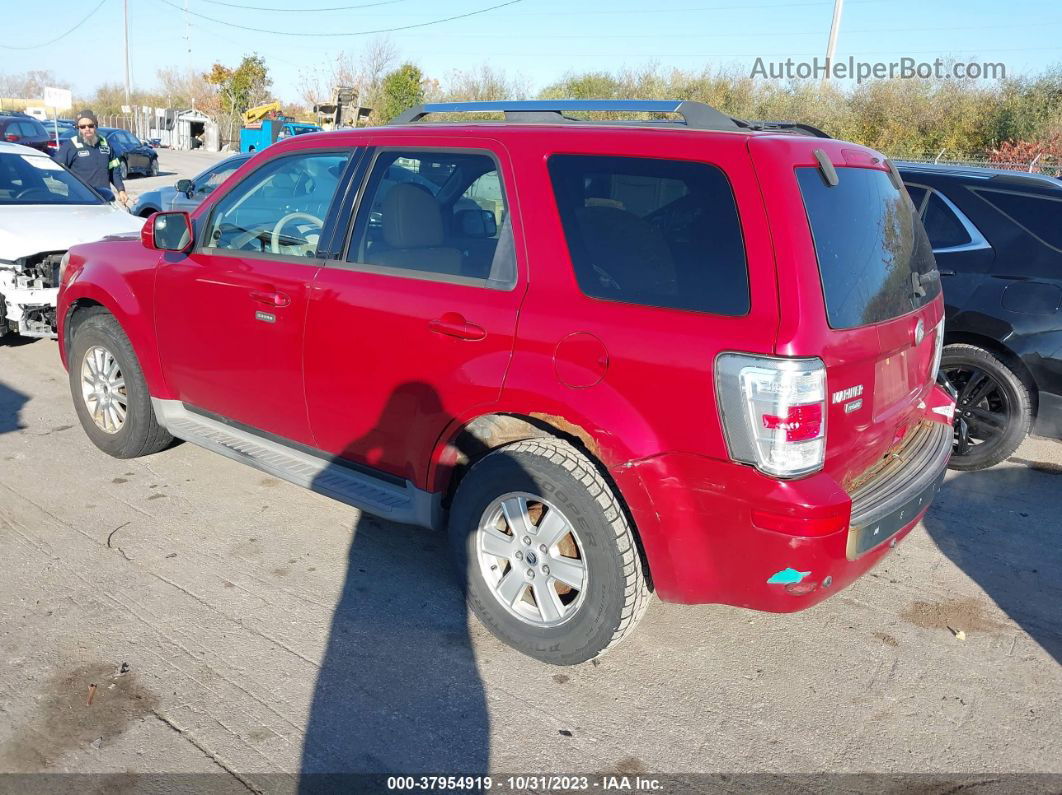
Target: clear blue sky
538, 39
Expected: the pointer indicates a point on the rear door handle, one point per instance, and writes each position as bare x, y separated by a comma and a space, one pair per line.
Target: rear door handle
272, 298
454, 325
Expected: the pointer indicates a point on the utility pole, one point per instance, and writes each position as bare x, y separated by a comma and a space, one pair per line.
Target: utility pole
125, 8
835, 29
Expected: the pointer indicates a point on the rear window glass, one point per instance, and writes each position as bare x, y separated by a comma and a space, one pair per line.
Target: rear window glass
1040, 215
870, 245
661, 233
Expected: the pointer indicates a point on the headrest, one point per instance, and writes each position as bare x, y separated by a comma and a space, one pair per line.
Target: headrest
411, 217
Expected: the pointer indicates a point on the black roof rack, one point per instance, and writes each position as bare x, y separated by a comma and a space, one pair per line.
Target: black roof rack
783, 126
696, 115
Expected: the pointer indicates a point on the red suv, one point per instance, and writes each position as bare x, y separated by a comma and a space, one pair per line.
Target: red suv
691, 356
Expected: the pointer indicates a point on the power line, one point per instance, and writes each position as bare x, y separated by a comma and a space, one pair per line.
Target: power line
354, 33
84, 19
305, 10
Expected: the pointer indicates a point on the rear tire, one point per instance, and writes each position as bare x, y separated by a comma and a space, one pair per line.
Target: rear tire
545, 491
110, 395
993, 403
154, 169
123, 169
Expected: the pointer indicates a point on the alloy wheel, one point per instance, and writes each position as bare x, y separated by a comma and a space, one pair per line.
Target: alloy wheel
103, 389
983, 410
531, 559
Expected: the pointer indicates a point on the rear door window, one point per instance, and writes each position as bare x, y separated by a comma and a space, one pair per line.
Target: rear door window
875, 260
1039, 215
661, 233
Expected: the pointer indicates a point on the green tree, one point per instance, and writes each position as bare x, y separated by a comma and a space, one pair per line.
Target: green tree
402, 89
238, 89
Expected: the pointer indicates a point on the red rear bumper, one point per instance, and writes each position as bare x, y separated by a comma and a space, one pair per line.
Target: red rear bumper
716, 531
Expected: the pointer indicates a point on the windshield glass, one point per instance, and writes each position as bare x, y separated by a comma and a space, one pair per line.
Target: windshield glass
37, 179
875, 260
299, 129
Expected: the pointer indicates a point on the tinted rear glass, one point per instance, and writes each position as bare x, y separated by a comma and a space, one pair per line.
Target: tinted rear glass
1040, 215
661, 233
869, 242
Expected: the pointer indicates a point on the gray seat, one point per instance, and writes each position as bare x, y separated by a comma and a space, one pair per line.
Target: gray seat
413, 233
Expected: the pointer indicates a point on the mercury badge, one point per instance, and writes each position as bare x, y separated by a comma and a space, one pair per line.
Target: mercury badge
920, 331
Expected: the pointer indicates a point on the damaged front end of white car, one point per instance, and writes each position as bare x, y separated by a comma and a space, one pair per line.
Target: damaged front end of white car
28, 290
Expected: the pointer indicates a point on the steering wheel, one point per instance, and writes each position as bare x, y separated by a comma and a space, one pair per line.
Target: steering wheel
274, 241
43, 193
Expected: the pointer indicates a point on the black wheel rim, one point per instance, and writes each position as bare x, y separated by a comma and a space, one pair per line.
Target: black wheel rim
982, 411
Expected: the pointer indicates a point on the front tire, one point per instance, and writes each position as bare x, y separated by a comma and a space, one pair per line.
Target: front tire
109, 392
993, 411
546, 556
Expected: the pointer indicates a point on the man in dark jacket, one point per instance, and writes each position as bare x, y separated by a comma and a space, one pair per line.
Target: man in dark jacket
89, 156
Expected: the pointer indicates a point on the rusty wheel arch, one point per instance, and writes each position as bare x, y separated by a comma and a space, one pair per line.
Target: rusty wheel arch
488, 432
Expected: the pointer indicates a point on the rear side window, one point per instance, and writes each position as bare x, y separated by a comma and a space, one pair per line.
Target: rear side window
1040, 215
661, 233
944, 228
875, 260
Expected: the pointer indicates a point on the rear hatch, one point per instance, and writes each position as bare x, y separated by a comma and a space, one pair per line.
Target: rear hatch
858, 288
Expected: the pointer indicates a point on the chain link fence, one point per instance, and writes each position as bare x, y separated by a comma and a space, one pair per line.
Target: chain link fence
1048, 165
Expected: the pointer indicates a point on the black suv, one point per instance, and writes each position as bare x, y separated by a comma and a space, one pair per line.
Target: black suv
997, 238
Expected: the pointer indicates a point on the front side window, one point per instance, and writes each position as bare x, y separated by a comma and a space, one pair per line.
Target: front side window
207, 182
435, 214
278, 209
662, 233
875, 261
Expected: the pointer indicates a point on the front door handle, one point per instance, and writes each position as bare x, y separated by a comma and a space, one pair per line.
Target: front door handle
271, 297
454, 325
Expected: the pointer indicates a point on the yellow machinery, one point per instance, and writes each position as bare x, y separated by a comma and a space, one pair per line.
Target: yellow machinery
257, 114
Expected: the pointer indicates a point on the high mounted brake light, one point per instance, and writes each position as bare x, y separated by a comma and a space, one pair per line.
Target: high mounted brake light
773, 411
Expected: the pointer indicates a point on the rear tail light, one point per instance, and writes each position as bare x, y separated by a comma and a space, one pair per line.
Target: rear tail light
938, 349
773, 412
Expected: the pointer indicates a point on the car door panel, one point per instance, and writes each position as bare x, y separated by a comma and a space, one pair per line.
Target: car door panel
394, 354
230, 315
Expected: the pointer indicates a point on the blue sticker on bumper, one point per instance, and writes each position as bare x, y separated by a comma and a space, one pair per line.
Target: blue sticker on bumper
787, 577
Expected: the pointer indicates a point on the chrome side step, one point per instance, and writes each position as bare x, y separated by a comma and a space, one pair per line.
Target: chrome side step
405, 503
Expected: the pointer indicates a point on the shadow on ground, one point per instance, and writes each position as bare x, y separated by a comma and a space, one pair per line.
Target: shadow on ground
398, 691
11, 403
1002, 527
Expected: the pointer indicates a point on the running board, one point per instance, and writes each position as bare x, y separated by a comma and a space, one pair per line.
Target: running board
406, 503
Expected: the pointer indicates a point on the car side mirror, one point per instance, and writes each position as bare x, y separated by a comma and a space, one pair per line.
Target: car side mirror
185, 186
167, 232
477, 223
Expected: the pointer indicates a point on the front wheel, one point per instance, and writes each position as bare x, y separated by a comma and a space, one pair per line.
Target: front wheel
109, 392
545, 553
993, 409
123, 169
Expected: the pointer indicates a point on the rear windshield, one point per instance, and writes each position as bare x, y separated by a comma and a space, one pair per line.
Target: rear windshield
661, 233
874, 257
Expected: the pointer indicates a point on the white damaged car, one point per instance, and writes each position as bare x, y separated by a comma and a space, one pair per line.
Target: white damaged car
44, 210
